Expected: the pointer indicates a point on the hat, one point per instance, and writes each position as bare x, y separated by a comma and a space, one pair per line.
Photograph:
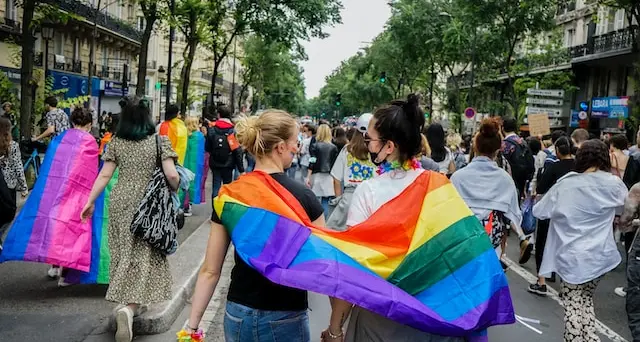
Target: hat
363, 122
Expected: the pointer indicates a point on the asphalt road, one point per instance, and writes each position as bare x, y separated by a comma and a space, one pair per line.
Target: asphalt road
33, 308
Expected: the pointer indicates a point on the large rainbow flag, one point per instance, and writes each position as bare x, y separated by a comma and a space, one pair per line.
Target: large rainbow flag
195, 162
423, 259
176, 130
48, 228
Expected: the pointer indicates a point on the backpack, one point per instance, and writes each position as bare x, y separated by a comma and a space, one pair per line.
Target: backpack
521, 160
220, 148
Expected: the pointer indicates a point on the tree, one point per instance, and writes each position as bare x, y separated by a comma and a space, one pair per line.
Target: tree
283, 22
151, 12
190, 17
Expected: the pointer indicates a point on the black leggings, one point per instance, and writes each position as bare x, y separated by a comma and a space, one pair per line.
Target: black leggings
541, 240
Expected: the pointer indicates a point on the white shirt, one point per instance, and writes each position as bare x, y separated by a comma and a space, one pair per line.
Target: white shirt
304, 152
580, 245
374, 193
351, 171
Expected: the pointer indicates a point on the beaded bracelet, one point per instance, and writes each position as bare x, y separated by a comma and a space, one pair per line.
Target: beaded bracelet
196, 336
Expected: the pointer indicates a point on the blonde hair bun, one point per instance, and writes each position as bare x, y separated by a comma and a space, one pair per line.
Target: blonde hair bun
258, 134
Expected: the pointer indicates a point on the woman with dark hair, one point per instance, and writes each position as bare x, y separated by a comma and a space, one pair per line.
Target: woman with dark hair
617, 145
139, 273
339, 138
439, 151
12, 176
393, 140
489, 190
580, 245
549, 176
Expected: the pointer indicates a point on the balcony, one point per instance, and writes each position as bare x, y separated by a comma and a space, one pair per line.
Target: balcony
62, 63
111, 73
10, 26
606, 43
105, 20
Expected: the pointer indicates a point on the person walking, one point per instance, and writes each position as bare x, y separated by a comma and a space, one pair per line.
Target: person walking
548, 178
439, 151
257, 309
319, 175
56, 119
174, 128
519, 156
225, 154
139, 274
12, 179
580, 246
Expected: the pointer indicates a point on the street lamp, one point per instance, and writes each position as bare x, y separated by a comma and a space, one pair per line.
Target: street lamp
47, 34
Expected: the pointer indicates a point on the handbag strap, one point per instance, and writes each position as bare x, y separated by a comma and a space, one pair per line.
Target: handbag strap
158, 153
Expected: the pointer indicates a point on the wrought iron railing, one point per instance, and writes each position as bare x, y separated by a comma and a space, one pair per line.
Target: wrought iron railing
10, 25
111, 73
69, 64
612, 41
104, 20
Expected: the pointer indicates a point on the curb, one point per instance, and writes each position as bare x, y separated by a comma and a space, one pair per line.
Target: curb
184, 265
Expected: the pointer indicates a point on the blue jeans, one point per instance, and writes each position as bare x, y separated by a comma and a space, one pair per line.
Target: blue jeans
325, 205
244, 324
220, 176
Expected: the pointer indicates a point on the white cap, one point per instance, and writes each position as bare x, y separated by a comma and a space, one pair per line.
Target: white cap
363, 122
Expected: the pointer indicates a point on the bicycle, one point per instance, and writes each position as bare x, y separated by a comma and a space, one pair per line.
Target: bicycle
32, 163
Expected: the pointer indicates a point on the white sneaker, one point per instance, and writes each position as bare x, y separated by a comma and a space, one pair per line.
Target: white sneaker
62, 283
124, 325
53, 272
620, 291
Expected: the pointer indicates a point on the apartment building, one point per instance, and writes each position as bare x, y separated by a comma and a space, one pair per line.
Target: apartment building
62, 50
598, 41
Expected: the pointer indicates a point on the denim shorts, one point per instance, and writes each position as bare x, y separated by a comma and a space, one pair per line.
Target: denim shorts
244, 324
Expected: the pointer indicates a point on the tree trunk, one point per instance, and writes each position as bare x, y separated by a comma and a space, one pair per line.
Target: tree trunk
241, 95
186, 74
26, 70
150, 17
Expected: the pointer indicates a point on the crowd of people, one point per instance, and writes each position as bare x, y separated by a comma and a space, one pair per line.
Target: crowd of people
337, 178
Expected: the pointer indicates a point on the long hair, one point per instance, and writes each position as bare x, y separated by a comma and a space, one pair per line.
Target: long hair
357, 147
135, 120
5, 137
436, 138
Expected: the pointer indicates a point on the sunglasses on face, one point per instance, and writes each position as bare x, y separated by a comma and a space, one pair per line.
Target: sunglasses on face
368, 139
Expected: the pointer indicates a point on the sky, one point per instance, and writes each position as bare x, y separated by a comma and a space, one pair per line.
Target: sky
362, 20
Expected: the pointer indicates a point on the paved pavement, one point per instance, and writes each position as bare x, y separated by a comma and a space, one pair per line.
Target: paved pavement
33, 308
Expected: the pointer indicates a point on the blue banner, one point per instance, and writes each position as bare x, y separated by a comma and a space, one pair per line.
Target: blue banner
113, 88
76, 85
575, 119
610, 107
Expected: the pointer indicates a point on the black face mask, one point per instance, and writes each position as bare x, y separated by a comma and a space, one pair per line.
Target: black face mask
374, 156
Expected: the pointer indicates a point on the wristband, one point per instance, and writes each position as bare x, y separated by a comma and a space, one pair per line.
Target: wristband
196, 336
332, 336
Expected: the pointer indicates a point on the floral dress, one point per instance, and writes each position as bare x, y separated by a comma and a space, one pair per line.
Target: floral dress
139, 274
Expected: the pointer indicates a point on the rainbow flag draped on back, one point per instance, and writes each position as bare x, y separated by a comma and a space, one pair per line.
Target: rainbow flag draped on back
194, 161
48, 228
176, 130
423, 259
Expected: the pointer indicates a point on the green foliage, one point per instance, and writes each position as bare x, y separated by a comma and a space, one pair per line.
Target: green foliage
7, 91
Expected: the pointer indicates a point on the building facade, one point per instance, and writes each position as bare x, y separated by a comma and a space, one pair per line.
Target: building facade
62, 50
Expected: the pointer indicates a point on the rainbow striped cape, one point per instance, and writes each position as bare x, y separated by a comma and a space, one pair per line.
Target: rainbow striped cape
194, 161
423, 259
176, 130
48, 228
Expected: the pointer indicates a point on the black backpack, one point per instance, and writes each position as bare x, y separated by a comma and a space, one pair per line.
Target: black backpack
7, 201
220, 149
521, 160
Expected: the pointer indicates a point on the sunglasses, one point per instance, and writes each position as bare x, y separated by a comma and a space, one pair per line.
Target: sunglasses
367, 139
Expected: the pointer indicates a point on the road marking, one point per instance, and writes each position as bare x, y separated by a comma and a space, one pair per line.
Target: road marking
553, 294
523, 320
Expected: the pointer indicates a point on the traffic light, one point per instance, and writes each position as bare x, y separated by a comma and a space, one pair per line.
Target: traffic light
338, 99
383, 77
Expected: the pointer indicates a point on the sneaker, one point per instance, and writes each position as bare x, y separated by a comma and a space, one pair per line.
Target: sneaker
53, 272
62, 283
538, 289
124, 325
525, 251
505, 267
620, 291
188, 212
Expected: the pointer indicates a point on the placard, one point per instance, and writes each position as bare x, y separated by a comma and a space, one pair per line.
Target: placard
539, 124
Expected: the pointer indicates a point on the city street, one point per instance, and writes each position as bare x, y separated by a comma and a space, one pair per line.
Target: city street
34, 308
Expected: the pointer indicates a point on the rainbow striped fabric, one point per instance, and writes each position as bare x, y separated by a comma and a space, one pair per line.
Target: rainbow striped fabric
423, 259
48, 228
176, 130
195, 162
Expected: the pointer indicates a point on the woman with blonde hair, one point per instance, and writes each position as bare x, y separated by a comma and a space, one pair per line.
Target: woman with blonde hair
319, 177
453, 142
258, 309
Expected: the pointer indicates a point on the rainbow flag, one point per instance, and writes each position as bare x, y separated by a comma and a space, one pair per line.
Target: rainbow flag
48, 229
431, 267
177, 133
195, 162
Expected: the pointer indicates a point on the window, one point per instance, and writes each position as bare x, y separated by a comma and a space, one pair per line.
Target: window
76, 49
37, 46
58, 44
105, 56
620, 18
569, 36
141, 23
147, 87
11, 10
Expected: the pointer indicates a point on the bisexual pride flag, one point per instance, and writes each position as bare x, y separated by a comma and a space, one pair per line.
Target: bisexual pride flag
422, 259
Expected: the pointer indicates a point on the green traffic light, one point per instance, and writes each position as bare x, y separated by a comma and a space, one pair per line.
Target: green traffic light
338, 104
383, 80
